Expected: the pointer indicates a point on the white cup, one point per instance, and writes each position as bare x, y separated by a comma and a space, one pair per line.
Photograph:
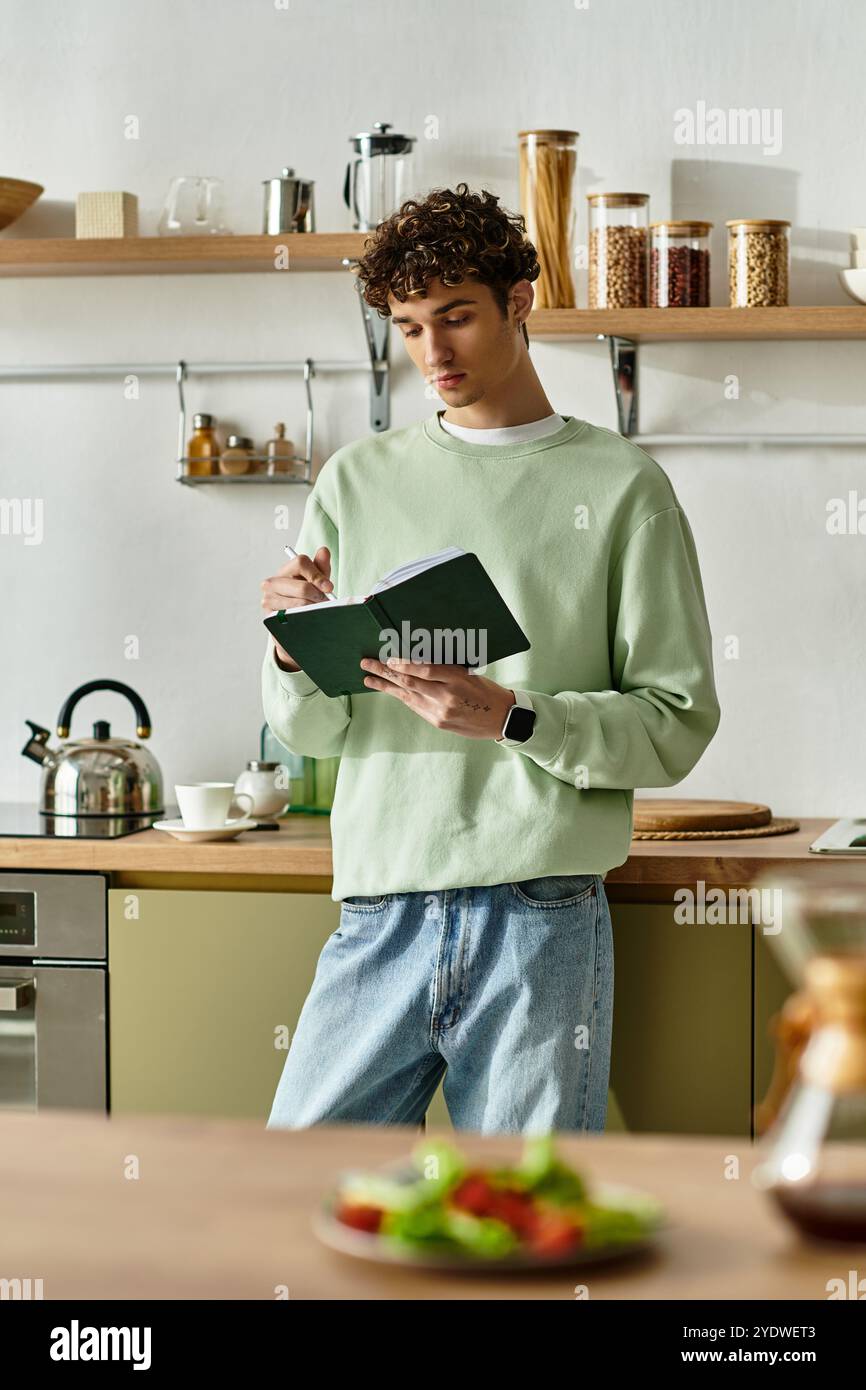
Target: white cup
205, 805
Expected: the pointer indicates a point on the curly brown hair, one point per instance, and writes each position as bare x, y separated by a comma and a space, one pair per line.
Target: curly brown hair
450, 234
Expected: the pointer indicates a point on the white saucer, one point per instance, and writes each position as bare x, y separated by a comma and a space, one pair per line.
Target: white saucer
218, 832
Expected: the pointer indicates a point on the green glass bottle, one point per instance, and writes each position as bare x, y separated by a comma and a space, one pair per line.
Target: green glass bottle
312, 781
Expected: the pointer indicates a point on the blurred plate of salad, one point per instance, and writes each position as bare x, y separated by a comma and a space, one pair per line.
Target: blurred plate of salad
444, 1211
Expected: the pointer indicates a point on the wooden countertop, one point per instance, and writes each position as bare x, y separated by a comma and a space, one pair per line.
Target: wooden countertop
221, 1209
302, 845
302, 848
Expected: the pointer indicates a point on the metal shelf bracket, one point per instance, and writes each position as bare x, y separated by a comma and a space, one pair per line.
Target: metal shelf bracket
624, 364
377, 333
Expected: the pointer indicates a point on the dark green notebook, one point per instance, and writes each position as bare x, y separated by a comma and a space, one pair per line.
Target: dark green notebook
421, 603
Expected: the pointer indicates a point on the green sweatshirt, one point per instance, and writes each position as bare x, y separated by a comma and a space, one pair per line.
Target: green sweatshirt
583, 535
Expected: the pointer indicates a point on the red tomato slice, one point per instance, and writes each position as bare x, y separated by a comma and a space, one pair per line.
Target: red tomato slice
359, 1217
555, 1234
474, 1194
517, 1210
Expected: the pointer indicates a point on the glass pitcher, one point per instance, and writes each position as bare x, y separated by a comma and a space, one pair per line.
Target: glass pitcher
812, 1158
379, 179
193, 207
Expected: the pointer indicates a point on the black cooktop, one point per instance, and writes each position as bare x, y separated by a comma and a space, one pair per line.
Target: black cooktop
25, 820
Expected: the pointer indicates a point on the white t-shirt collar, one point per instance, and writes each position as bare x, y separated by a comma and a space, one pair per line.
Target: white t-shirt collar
511, 434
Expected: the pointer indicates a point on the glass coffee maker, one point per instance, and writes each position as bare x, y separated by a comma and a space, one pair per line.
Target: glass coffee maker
812, 1159
380, 177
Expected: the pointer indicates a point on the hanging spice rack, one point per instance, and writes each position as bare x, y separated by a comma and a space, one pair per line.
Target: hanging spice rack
377, 368
376, 364
308, 368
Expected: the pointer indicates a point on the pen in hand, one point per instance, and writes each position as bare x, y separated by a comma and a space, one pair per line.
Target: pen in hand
290, 550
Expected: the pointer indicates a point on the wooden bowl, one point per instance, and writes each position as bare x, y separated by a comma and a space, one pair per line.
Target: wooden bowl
16, 196
854, 282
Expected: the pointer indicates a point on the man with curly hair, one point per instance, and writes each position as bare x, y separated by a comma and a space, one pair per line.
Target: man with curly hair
475, 816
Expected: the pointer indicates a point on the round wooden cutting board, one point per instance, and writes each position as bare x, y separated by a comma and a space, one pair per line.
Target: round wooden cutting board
692, 815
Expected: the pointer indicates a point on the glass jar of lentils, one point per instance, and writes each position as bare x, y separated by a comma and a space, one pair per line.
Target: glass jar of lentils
759, 259
680, 265
618, 250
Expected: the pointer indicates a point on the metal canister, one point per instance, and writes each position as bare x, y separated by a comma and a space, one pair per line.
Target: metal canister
289, 205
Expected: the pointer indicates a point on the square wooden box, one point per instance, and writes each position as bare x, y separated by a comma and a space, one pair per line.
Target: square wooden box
106, 215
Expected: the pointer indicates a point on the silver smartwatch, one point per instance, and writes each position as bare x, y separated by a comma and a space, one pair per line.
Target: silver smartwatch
519, 722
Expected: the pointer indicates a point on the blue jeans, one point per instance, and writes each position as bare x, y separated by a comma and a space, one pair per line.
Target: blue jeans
508, 990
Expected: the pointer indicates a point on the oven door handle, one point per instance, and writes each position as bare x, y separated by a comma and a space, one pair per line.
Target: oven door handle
15, 995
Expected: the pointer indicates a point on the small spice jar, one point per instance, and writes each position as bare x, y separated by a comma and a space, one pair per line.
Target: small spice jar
548, 165
679, 265
237, 456
203, 449
759, 260
280, 452
618, 250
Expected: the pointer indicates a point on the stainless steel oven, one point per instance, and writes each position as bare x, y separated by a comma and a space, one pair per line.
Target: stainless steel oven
53, 991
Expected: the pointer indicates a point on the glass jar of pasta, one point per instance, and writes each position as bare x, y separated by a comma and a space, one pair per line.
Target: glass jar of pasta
759, 260
548, 168
618, 250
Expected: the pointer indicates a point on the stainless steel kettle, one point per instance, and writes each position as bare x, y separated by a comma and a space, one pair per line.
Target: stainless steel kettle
98, 776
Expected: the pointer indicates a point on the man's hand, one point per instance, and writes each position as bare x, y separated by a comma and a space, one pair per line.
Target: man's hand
301, 581
448, 697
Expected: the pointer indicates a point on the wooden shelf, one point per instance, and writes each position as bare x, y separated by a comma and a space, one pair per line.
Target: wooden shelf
806, 321
308, 251
157, 255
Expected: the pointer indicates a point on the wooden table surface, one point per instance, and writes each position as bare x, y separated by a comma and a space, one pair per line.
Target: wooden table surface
221, 1209
302, 848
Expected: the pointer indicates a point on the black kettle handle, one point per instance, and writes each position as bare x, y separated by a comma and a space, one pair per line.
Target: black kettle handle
64, 718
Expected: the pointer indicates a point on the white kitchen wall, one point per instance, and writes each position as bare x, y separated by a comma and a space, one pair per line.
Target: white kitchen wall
239, 88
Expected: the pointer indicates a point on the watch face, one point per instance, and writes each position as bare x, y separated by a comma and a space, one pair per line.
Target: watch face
520, 723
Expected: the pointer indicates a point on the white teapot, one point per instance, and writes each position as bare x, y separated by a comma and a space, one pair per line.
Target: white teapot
262, 781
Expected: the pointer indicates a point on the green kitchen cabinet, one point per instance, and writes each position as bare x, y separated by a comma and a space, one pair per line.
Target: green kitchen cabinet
681, 1059
205, 989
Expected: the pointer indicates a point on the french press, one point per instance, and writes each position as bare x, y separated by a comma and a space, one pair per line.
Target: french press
379, 179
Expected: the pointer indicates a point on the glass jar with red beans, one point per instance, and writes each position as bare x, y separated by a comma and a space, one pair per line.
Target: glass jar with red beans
680, 265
